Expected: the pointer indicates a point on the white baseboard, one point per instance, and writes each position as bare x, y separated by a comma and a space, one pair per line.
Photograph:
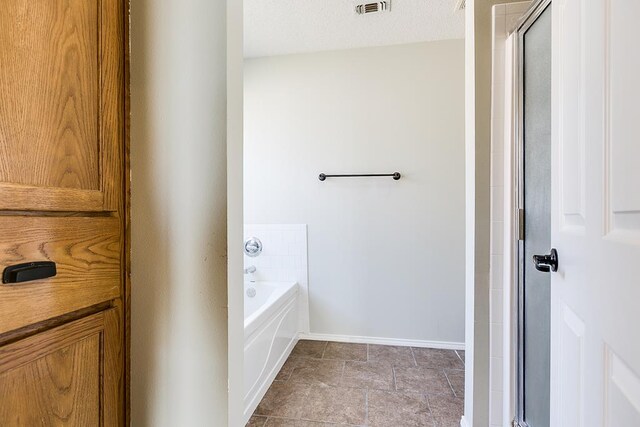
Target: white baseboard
383, 341
463, 422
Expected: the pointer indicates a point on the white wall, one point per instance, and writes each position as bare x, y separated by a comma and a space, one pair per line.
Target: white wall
235, 221
386, 258
178, 154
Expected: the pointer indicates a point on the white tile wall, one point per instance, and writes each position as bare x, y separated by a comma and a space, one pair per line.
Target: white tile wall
496, 409
505, 16
283, 258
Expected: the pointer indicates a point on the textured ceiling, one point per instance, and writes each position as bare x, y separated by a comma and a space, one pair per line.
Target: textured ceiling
278, 27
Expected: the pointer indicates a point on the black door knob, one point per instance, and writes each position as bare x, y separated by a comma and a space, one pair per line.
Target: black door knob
546, 263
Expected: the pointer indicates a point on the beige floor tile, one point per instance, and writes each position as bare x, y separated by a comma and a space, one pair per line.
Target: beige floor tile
284, 399
396, 356
368, 375
287, 422
335, 405
307, 348
456, 379
317, 371
397, 409
337, 384
345, 351
436, 358
446, 410
256, 421
421, 379
287, 368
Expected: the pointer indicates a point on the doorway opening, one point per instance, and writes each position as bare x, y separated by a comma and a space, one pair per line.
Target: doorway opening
354, 204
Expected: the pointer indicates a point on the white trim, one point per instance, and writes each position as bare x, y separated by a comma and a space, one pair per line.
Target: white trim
470, 203
510, 298
383, 341
463, 422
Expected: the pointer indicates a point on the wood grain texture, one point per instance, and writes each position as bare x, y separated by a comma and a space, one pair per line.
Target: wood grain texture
65, 376
87, 252
61, 105
22, 197
112, 101
114, 374
61, 388
36, 328
49, 92
64, 196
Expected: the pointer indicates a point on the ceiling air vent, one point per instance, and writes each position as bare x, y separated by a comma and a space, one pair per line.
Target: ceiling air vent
379, 6
460, 5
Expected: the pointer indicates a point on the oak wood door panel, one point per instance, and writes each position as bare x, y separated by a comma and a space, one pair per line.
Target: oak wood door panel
61, 98
70, 375
87, 252
62, 181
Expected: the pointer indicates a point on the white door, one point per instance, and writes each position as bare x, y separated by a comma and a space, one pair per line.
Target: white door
595, 294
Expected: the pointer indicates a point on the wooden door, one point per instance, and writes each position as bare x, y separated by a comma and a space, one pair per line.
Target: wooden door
595, 343
56, 377
61, 92
62, 175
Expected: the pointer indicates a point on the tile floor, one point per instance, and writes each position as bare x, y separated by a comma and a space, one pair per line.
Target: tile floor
328, 383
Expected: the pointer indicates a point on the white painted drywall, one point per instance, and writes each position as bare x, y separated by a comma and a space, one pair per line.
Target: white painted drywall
386, 258
179, 235
235, 221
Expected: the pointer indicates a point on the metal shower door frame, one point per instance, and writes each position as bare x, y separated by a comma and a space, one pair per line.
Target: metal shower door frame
525, 22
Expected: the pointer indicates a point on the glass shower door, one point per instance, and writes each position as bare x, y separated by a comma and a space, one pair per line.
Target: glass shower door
535, 201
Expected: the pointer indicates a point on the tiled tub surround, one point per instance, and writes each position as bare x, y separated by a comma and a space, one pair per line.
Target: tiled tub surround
329, 383
283, 259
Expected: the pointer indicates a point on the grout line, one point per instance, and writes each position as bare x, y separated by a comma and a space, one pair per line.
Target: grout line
260, 416
315, 421
415, 362
395, 382
326, 344
449, 381
366, 407
367, 352
433, 417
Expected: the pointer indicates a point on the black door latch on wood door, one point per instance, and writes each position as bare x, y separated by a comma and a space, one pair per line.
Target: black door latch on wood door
29, 271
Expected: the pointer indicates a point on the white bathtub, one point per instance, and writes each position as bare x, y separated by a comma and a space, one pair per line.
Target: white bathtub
270, 333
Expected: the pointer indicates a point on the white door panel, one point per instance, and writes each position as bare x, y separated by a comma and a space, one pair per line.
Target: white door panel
622, 137
595, 342
571, 354
570, 107
622, 392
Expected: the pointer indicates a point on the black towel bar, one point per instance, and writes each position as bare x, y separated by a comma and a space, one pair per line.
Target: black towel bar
395, 175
